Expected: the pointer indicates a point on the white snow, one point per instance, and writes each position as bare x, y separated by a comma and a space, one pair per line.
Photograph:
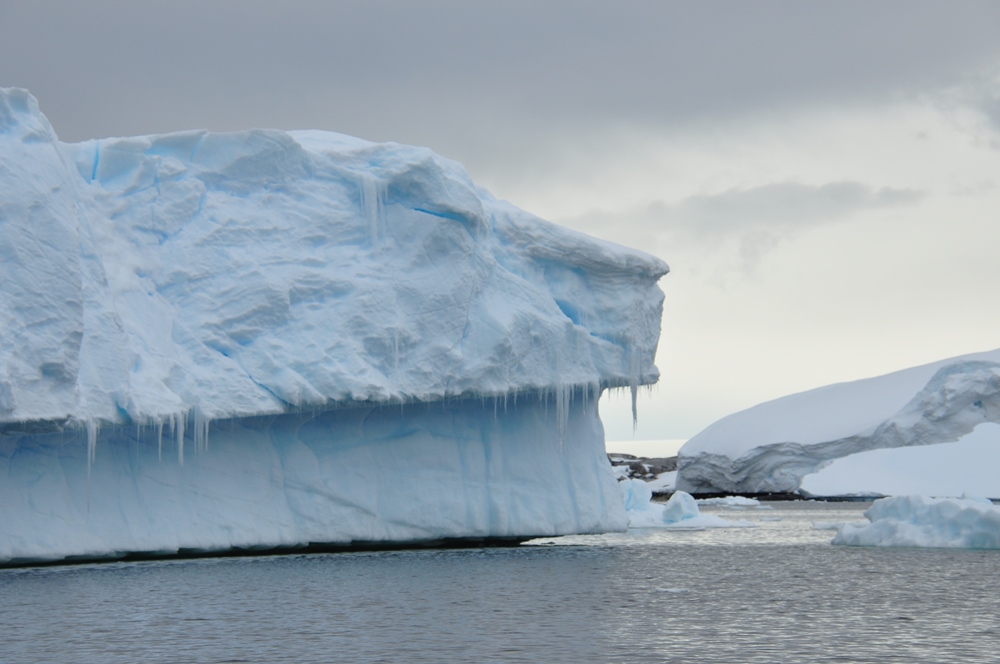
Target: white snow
967, 466
249, 304
920, 521
772, 446
679, 512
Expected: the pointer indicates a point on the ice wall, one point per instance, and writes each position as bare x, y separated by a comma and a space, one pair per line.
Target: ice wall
197, 283
772, 446
452, 469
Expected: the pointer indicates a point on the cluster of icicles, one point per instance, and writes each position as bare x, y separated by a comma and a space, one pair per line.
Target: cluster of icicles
177, 426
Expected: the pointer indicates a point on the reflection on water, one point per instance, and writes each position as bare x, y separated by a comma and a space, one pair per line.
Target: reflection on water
775, 593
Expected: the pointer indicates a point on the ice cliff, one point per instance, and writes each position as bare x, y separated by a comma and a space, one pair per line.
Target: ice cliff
773, 446
271, 338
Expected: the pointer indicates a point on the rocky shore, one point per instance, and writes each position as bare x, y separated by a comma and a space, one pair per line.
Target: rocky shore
661, 474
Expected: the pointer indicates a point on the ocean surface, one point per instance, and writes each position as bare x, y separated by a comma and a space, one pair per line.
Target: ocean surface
778, 592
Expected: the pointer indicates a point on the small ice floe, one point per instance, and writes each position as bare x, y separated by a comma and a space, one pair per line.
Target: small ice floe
770, 519
920, 521
676, 591
730, 501
679, 513
833, 525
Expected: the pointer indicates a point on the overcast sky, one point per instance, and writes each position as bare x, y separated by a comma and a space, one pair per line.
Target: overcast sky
823, 178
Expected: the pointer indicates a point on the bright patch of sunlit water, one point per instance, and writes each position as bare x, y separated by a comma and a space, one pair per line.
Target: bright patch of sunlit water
778, 592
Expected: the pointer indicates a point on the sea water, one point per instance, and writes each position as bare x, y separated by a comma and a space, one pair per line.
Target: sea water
778, 592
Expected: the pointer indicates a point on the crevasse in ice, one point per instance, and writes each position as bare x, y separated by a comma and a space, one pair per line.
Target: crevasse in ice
339, 340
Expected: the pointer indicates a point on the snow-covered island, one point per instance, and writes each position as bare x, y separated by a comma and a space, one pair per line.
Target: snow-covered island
270, 339
932, 429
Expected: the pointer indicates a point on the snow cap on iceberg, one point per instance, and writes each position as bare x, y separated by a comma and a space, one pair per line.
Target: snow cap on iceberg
258, 272
772, 446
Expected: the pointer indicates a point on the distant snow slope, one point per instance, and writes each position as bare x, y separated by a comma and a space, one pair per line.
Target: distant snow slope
225, 293
772, 446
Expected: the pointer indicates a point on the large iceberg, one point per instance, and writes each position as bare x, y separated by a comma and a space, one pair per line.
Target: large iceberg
268, 338
772, 447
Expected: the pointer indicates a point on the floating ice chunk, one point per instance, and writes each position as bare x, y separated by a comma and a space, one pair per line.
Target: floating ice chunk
730, 501
637, 495
833, 525
680, 506
680, 512
962, 523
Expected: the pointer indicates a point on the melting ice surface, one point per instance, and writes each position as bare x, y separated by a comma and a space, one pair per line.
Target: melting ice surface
773, 446
271, 338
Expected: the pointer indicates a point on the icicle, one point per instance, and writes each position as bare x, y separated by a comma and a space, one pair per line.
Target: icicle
159, 439
373, 196
178, 425
201, 425
633, 382
92, 429
562, 394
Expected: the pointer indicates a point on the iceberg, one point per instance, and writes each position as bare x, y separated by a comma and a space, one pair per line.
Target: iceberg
271, 339
920, 521
772, 447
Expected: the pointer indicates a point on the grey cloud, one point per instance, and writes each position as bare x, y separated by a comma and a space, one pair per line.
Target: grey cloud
774, 207
482, 82
751, 222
